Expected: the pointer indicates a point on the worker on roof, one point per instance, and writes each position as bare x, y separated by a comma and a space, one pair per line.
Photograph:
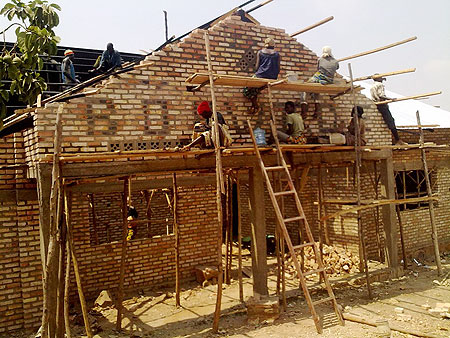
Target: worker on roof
295, 128
326, 68
268, 61
378, 94
67, 69
203, 135
110, 59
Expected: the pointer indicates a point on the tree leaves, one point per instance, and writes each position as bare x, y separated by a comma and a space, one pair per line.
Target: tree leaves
35, 37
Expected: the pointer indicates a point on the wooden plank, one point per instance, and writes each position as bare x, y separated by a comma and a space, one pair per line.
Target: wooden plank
251, 82
239, 219
378, 49
317, 24
434, 234
380, 203
408, 98
67, 290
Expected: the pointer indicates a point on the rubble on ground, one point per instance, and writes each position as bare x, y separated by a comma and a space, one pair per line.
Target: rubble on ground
337, 261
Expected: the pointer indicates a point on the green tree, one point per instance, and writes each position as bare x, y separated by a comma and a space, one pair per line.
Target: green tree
33, 23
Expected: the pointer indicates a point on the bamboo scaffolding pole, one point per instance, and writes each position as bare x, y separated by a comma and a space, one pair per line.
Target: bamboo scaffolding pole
84, 310
358, 184
239, 229
219, 187
377, 212
402, 235
377, 76
378, 49
408, 98
317, 24
51, 269
434, 234
66, 290
123, 256
283, 272
227, 232
61, 279
230, 217
321, 206
277, 243
176, 231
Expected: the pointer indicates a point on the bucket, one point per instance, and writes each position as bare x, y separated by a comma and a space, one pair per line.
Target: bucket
337, 138
260, 136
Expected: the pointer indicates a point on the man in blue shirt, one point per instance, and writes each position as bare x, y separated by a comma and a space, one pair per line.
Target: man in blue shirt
67, 68
110, 59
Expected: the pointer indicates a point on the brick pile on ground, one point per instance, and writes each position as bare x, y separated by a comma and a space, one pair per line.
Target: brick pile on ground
337, 261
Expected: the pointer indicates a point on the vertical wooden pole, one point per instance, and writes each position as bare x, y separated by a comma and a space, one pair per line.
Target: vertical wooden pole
377, 212
61, 280
176, 231
283, 272
66, 290
123, 257
220, 188
277, 242
238, 193
434, 234
50, 280
322, 206
230, 217
84, 310
358, 184
258, 232
226, 221
300, 184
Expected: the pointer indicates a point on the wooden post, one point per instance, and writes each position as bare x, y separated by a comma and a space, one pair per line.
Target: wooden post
238, 193
220, 188
123, 257
388, 214
61, 280
258, 228
402, 236
321, 205
377, 211
230, 218
148, 200
434, 234
66, 290
226, 221
358, 184
67, 208
50, 280
176, 232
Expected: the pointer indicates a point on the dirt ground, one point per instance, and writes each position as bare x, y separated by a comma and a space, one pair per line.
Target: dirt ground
415, 293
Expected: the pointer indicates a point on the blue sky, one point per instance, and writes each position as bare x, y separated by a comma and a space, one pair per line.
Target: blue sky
359, 25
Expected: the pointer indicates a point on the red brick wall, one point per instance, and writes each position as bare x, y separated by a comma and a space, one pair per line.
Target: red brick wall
150, 262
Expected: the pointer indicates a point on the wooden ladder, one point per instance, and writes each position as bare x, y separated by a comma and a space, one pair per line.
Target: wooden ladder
283, 168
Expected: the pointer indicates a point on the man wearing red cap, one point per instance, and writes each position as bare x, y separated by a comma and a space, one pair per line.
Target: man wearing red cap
67, 68
203, 135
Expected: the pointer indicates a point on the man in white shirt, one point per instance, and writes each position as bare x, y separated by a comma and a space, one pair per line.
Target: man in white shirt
378, 94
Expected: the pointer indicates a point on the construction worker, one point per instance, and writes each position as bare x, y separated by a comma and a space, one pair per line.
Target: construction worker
132, 216
378, 94
110, 59
268, 61
295, 126
203, 135
326, 68
350, 135
67, 68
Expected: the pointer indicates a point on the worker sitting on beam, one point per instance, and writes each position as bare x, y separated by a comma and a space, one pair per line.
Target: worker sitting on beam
203, 135
326, 68
295, 132
268, 61
378, 94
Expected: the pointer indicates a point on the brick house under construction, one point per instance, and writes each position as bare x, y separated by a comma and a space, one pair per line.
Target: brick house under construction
149, 108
